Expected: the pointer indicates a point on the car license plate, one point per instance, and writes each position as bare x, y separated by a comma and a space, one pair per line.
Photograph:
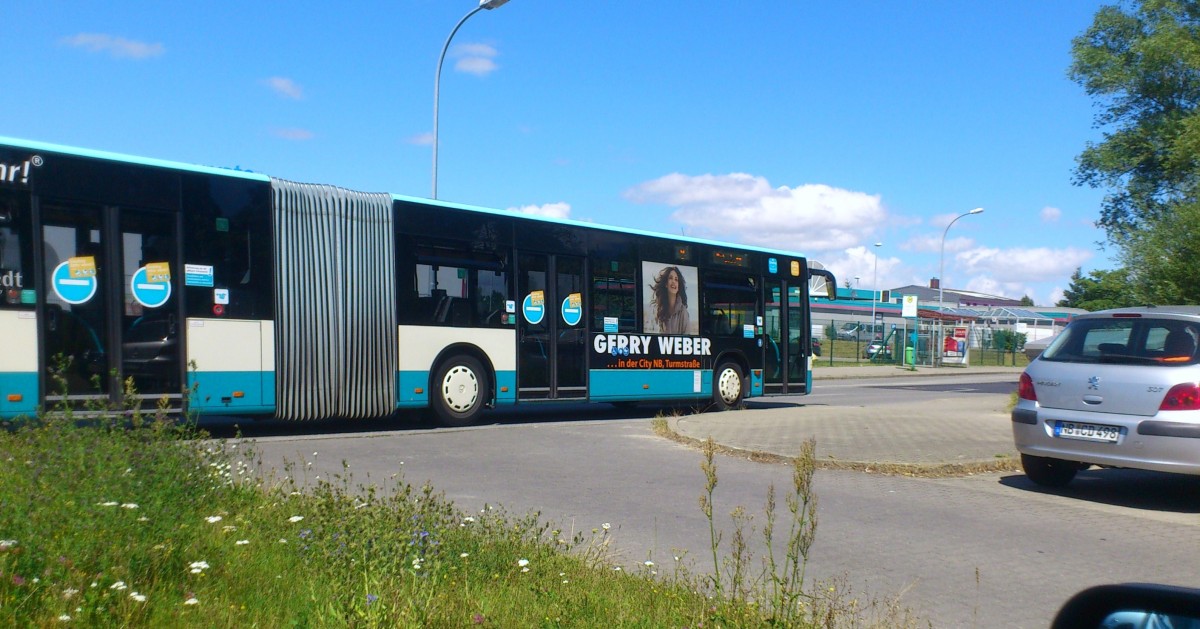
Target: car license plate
1087, 432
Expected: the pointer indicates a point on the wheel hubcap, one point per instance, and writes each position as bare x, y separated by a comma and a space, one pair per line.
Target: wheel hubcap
460, 388
729, 386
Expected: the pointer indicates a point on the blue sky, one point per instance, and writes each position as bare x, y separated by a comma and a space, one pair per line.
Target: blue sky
817, 127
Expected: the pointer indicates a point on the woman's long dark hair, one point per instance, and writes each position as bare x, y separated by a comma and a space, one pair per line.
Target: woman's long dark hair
661, 298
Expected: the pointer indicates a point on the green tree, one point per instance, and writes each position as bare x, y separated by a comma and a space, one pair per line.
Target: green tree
1100, 290
1165, 252
1027, 301
1142, 66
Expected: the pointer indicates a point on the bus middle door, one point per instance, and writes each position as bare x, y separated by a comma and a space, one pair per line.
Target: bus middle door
551, 330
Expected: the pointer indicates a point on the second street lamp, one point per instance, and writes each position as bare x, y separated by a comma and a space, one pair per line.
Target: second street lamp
875, 284
940, 351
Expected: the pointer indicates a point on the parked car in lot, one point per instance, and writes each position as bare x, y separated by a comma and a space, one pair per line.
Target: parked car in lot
1117, 388
877, 347
858, 331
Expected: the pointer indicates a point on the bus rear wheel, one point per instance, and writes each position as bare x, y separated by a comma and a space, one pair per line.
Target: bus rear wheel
728, 390
460, 391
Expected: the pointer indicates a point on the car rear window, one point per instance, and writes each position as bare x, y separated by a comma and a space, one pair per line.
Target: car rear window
1140, 340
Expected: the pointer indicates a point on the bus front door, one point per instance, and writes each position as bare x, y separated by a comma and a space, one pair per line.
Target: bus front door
786, 360
552, 328
111, 306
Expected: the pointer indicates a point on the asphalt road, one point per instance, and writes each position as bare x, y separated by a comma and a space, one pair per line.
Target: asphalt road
982, 551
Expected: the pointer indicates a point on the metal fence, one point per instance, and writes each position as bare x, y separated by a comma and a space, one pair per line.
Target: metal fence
914, 341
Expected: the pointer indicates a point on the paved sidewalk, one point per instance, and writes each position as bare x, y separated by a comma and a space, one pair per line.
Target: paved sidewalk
970, 430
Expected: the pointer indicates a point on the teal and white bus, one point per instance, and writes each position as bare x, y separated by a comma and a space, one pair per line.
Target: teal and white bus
223, 292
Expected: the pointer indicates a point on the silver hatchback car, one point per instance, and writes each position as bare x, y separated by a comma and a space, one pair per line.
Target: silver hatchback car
1117, 388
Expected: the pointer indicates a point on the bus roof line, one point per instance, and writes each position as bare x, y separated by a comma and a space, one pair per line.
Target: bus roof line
133, 159
578, 223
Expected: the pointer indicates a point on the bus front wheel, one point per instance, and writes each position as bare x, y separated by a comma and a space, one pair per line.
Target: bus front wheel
460, 390
727, 387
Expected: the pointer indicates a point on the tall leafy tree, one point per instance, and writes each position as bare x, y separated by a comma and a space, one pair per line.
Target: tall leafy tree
1141, 63
1142, 66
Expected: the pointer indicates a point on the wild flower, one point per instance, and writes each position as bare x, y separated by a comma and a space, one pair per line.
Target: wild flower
649, 563
110, 503
522, 562
213, 519
191, 601
18, 580
477, 619
198, 566
242, 542
69, 592
304, 533
64, 618
465, 555
119, 585
129, 505
606, 526
295, 518
5, 544
228, 528
371, 598
141, 598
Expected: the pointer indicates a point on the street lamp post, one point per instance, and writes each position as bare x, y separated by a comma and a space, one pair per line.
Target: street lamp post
437, 79
940, 352
875, 284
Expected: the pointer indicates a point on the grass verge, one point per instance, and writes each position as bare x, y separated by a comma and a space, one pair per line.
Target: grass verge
145, 523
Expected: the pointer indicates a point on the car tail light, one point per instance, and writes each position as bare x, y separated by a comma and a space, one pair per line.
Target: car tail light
1025, 388
1182, 397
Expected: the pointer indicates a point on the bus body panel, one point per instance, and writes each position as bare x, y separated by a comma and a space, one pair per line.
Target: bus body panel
420, 346
616, 385
231, 366
18, 364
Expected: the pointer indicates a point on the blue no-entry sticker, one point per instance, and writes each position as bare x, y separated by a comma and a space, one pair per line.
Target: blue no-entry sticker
150, 289
74, 290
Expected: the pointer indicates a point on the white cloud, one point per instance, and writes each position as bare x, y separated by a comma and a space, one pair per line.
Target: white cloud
422, 139
477, 59
1021, 264
284, 87
550, 210
742, 207
1051, 214
293, 134
118, 47
932, 243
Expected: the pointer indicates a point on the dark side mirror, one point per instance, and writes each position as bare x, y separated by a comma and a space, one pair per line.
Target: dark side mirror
1131, 606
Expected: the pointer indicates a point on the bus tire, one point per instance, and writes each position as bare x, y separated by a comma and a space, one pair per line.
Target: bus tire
728, 386
459, 391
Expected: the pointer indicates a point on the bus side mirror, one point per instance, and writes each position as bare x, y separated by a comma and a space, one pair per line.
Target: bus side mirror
821, 283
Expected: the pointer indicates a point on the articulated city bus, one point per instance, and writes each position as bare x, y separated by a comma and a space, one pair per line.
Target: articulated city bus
213, 291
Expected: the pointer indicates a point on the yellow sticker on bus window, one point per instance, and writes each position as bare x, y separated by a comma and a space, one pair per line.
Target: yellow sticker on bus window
82, 266
537, 298
575, 300
158, 272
